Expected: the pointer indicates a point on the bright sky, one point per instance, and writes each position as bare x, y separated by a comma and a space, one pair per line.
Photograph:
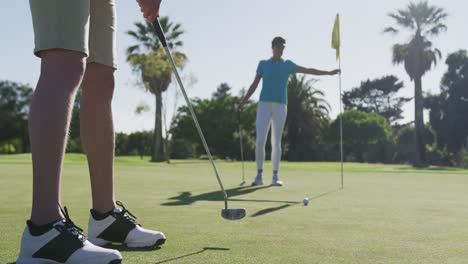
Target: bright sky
224, 41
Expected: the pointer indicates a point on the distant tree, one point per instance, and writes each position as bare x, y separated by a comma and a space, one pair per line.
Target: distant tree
148, 59
121, 144
363, 131
74, 138
218, 120
448, 110
404, 142
247, 123
133, 144
379, 96
307, 117
140, 143
423, 21
404, 139
15, 99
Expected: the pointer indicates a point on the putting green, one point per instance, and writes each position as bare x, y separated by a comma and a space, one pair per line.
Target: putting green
385, 214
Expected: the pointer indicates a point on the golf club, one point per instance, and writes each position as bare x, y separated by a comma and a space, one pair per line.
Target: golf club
241, 143
226, 213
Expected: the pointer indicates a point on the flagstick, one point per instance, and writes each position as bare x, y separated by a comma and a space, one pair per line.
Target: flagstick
341, 128
336, 46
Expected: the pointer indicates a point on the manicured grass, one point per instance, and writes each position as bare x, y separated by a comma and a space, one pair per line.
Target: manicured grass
385, 213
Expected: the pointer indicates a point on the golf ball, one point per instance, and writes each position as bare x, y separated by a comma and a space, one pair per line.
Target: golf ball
306, 201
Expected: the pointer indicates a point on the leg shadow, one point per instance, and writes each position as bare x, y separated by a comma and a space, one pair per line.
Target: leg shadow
287, 203
194, 253
186, 198
124, 248
271, 210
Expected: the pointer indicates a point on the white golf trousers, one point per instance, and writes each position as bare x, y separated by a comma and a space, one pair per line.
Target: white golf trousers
274, 114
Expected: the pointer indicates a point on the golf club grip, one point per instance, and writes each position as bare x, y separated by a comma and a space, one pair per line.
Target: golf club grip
159, 32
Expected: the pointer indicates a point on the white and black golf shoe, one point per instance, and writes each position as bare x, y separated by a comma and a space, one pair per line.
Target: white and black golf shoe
275, 181
63, 244
258, 180
119, 227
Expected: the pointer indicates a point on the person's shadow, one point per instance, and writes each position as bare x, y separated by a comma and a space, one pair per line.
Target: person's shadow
171, 259
194, 253
124, 248
186, 198
286, 203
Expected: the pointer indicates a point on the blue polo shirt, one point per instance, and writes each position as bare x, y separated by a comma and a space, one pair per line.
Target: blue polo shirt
275, 77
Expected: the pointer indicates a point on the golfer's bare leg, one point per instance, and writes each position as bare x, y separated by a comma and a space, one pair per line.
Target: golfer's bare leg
49, 119
97, 133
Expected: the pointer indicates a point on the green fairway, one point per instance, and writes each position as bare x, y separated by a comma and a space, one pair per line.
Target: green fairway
385, 214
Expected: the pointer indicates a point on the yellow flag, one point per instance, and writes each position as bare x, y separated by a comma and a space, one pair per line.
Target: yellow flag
336, 36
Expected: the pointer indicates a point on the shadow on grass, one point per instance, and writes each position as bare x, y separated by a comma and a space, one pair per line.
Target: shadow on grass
325, 194
124, 248
194, 253
195, 162
287, 203
201, 162
186, 198
271, 210
430, 168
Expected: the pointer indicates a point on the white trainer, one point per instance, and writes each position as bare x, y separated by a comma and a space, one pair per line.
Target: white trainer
63, 244
120, 227
275, 181
258, 180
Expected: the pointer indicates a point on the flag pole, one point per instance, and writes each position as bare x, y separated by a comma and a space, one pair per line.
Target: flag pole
336, 43
341, 126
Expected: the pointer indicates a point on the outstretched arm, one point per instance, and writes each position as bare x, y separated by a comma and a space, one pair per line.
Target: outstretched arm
251, 90
313, 71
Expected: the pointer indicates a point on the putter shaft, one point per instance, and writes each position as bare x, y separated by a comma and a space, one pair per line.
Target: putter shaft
200, 132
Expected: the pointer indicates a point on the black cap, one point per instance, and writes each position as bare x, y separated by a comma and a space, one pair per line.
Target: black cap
278, 41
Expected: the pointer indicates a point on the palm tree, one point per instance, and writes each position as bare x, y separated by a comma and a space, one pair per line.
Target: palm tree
148, 58
423, 21
307, 115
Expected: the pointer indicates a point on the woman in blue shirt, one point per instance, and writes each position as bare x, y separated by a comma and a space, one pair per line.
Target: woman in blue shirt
272, 107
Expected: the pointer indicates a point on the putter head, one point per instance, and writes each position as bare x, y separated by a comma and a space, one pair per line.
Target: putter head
242, 183
233, 213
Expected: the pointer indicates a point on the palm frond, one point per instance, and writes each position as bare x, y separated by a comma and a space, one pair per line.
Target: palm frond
400, 53
390, 30
403, 19
436, 30
437, 16
438, 52
132, 50
133, 34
